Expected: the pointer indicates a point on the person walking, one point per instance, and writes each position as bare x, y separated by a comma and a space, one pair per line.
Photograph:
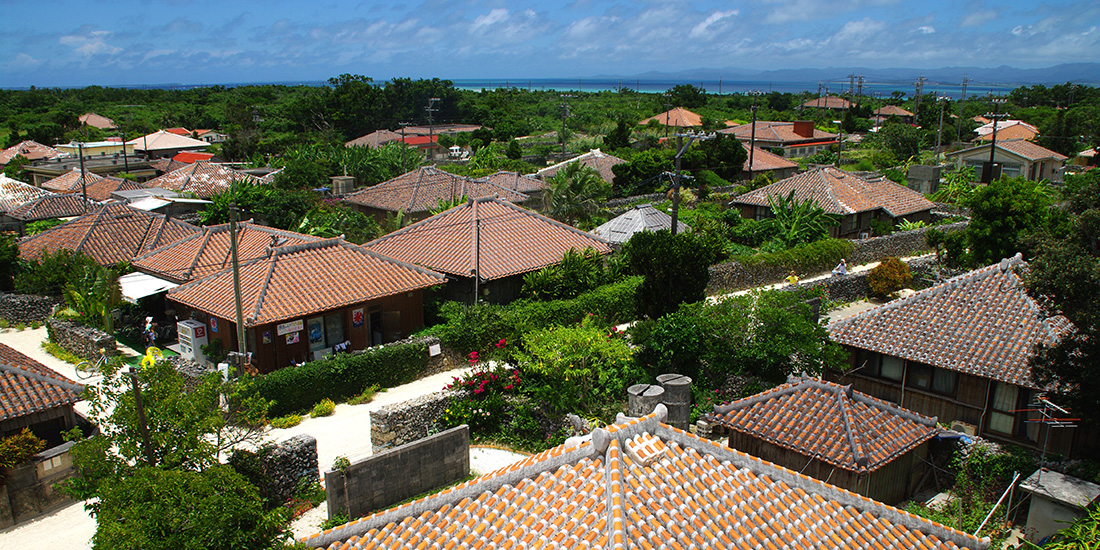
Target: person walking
841, 268
792, 279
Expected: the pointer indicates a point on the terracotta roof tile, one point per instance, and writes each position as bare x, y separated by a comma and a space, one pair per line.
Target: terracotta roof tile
509, 240
162, 140
301, 279
600, 161
892, 110
839, 192
70, 182
777, 132
981, 323
520, 183
374, 139
766, 160
14, 193
165, 165
30, 150
97, 121
828, 102
1012, 132
52, 206
422, 189
204, 179
207, 252
27, 386
98, 188
845, 428
643, 484
110, 233
677, 116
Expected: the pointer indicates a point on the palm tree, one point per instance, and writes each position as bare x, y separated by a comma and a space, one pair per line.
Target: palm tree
799, 222
575, 193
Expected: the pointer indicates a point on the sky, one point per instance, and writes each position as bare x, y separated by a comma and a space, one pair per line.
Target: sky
127, 42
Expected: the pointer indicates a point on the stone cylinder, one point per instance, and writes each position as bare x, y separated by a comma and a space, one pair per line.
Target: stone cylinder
642, 398
677, 399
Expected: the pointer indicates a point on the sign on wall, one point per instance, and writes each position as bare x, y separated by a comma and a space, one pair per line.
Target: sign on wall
357, 317
289, 326
292, 338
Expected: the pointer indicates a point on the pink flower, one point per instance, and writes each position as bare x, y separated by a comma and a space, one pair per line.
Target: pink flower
508, 387
501, 343
473, 357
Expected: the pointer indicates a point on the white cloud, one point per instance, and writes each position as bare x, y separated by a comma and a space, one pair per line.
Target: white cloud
25, 61
858, 31
493, 17
926, 29
703, 28
90, 43
978, 18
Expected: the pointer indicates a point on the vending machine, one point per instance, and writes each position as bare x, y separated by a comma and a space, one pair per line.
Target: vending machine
192, 336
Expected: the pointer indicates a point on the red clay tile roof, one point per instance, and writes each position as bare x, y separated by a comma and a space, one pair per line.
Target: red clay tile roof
1017, 131
828, 421
374, 139
678, 117
497, 236
188, 157
517, 182
27, 386
766, 160
110, 233
96, 121
14, 193
30, 150
303, 279
981, 323
204, 179
179, 131
206, 253
101, 189
892, 110
1026, 149
828, 102
164, 166
423, 188
839, 192
70, 182
776, 132
595, 158
52, 206
642, 484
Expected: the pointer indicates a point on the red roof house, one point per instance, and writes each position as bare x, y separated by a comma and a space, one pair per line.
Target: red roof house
30, 150
35, 396
796, 139
203, 179
418, 192
598, 160
677, 117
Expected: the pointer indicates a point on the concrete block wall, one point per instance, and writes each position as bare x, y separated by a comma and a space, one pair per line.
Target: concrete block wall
407, 421
81, 340
397, 474
27, 308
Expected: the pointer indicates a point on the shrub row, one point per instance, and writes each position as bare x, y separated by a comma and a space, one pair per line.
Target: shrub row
341, 376
813, 257
475, 328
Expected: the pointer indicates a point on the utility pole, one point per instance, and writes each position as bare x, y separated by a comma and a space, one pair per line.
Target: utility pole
958, 123
920, 92
851, 84
939, 133
564, 115
752, 136
83, 178
987, 171
430, 108
680, 148
859, 92
242, 346
143, 425
404, 145
668, 111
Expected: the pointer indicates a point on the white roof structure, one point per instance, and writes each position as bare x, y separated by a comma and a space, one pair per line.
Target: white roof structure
642, 217
138, 285
161, 140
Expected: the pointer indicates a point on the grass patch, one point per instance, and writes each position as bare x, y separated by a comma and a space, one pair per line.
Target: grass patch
288, 421
60, 353
324, 408
366, 397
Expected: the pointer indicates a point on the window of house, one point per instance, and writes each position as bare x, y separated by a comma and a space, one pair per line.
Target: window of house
1001, 417
1011, 170
934, 379
892, 368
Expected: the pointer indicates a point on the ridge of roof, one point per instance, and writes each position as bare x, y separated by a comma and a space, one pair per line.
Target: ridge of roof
57, 381
93, 222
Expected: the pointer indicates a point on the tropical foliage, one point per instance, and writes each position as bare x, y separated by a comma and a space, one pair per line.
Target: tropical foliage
94, 296
798, 221
675, 267
332, 220
575, 194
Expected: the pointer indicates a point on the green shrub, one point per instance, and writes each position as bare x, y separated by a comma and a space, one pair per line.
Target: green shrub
816, 256
366, 397
324, 408
337, 519
60, 353
340, 377
286, 421
19, 448
881, 228
888, 277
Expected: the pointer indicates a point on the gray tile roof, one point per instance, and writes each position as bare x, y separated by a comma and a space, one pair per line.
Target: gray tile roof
642, 217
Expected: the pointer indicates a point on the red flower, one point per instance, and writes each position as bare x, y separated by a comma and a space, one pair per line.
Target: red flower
474, 358
508, 387
501, 343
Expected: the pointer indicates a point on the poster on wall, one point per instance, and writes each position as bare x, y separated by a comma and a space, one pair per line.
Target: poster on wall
357, 317
213, 324
267, 336
288, 327
292, 338
316, 332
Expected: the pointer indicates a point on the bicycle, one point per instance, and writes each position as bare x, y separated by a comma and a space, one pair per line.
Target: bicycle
87, 369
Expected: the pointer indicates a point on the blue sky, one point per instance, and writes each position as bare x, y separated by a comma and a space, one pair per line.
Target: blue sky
123, 42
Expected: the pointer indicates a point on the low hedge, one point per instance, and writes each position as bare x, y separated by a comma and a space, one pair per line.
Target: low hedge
475, 328
341, 376
807, 258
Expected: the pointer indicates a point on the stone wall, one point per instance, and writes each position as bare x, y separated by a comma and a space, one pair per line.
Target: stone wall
407, 421
287, 464
731, 276
392, 476
82, 341
27, 308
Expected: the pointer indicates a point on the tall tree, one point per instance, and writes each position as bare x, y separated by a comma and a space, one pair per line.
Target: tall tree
1003, 213
675, 267
575, 193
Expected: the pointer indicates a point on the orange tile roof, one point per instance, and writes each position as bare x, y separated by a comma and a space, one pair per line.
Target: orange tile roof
165, 165
30, 150
110, 233
27, 386
981, 323
303, 279
70, 182
497, 236
52, 206
423, 188
374, 139
206, 253
517, 182
1023, 148
766, 160
204, 179
828, 102
97, 121
14, 193
643, 484
677, 117
1016, 131
600, 161
839, 192
775, 132
101, 189
892, 110
830, 422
